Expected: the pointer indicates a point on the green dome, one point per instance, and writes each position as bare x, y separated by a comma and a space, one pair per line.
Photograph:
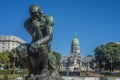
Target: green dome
75, 41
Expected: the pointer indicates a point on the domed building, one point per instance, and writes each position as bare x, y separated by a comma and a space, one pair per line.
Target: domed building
75, 47
73, 61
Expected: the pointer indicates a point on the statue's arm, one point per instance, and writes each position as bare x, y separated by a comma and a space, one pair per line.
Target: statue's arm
49, 30
27, 26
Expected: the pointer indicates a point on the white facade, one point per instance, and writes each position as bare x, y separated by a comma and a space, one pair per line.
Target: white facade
9, 42
87, 63
74, 60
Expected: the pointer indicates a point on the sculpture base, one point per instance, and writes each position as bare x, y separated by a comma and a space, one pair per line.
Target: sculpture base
44, 77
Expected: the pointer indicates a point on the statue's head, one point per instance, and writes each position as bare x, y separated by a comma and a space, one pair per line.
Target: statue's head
35, 11
35, 8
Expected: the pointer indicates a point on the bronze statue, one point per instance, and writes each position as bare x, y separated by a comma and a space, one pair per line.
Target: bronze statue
37, 56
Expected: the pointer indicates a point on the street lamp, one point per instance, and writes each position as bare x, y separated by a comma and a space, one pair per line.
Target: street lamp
14, 63
98, 68
111, 61
80, 68
85, 66
13, 52
103, 63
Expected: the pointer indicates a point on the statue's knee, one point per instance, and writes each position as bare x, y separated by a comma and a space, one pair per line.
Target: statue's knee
45, 48
22, 50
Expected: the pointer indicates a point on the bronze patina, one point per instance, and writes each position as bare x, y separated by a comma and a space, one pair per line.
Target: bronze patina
37, 56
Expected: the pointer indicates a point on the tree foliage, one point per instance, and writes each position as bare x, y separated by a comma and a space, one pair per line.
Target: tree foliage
58, 57
109, 54
4, 59
14, 59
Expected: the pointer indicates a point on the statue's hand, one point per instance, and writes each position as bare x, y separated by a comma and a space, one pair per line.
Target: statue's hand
35, 24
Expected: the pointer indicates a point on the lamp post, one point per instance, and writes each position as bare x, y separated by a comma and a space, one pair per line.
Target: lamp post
103, 63
14, 64
111, 61
98, 68
85, 66
80, 68
14, 59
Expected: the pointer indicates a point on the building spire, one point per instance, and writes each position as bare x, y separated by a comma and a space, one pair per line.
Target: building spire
75, 35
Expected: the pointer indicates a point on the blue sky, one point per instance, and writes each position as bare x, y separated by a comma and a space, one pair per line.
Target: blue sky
96, 22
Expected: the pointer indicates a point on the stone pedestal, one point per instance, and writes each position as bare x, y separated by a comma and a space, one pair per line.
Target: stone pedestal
44, 77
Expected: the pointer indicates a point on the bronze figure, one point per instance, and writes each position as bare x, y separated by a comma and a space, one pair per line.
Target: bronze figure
37, 56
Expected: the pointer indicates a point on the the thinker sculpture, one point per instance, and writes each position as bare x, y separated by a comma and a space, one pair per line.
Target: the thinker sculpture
37, 56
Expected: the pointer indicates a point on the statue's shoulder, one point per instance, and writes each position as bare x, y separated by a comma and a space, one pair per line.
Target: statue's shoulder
49, 19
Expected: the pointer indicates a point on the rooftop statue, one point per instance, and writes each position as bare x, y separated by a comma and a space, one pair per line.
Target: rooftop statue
37, 56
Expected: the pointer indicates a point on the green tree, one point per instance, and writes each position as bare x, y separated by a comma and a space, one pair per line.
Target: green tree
58, 57
14, 60
4, 59
109, 54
